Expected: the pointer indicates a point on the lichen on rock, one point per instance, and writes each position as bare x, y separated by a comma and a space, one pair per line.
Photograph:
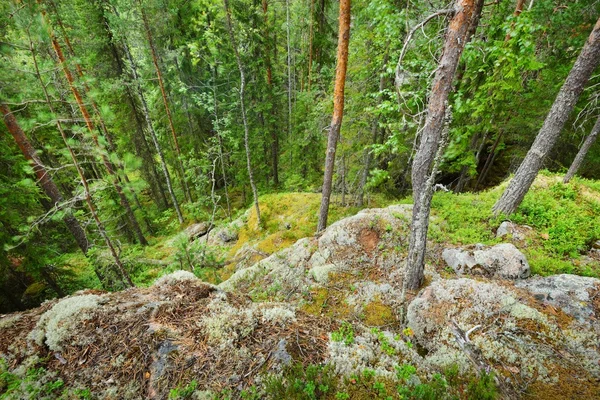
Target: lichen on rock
60, 322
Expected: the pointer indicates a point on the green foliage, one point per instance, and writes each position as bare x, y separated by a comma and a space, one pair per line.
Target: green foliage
483, 387
344, 334
564, 219
299, 382
185, 392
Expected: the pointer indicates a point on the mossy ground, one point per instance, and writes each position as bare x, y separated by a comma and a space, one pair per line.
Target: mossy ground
287, 217
565, 221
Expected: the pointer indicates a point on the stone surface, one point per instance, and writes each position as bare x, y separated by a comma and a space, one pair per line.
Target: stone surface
510, 332
366, 247
507, 228
502, 260
195, 231
573, 294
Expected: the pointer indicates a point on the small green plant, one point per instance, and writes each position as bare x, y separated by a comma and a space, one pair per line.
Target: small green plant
384, 342
299, 382
483, 387
405, 371
184, 392
344, 334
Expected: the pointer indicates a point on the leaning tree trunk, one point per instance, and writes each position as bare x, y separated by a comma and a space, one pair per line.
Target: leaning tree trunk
220, 140
466, 13
588, 60
90, 125
338, 110
186, 189
98, 116
589, 141
44, 179
146, 113
88, 195
238, 59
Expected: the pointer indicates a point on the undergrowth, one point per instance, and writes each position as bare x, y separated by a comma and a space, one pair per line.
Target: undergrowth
565, 222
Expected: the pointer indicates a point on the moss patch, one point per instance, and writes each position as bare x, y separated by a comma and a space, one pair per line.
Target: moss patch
378, 314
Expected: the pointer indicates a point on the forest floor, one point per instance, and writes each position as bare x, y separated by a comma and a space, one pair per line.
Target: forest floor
281, 313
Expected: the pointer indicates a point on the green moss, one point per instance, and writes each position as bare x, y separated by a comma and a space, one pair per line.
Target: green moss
378, 314
287, 217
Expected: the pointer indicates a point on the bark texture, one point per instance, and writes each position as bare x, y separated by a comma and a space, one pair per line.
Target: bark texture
458, 33
338, 110
155, 141
585, 147
588, 60
44, 179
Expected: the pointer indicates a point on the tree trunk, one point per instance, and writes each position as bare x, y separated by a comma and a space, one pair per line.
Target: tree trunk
88, 195
90, 125
46, 272
467, 12
44, 179
269, 122
588, 60
289, 77
338, 109
220, 139
109, 138
310, 42
516, 13
186, 190
489, 161
243, 108
146, 113
589, 141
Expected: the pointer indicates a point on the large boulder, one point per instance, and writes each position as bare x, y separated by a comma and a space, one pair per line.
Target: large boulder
347, 271
573, 294
525, 342
502, 260
195, 231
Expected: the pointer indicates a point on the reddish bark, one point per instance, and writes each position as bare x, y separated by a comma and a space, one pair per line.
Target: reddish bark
44, 179
338, 110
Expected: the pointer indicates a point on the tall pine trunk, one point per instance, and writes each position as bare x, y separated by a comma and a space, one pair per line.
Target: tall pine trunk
588, 60
338, 110
238, 59
184, 185
98, 116
44, 179
466, 13
585, 147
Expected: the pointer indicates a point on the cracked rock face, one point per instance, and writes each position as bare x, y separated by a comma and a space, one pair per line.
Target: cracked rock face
502, 261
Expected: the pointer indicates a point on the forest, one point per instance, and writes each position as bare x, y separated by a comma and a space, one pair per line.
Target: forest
147, 143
